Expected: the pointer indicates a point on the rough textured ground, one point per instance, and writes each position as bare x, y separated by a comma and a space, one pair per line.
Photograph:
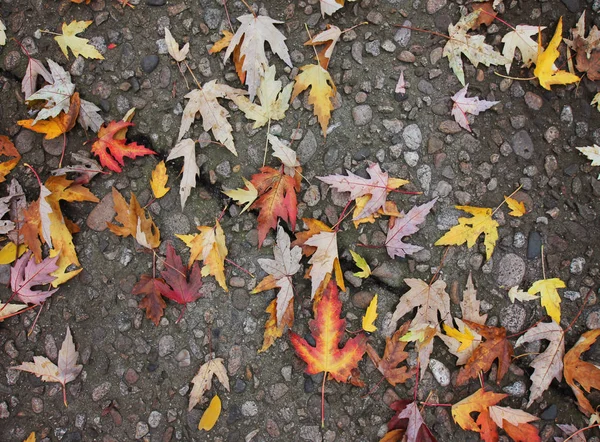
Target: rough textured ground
136, 376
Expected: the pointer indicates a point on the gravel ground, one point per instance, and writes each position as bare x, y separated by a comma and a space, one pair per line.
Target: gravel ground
136, 375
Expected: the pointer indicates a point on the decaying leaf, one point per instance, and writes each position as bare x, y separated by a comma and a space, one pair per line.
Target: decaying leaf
152, 302
27, 274
361, 263
393, 356
66, 371
470, 305
416, 430
79, 46
404, 226
134, 221
8, 310
549, 297
173, 47
34, 68
56, 95
88, 117
521, 39
368, 320
329, 37
582, 375
203, 380
272, 330
285, 153
87, 169
472, 105
186, 149
158, 182
469, 229
56, 126
8, 149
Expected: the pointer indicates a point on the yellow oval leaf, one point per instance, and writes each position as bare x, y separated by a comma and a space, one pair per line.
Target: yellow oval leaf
8, 253
211, 415
370, 316
159, 180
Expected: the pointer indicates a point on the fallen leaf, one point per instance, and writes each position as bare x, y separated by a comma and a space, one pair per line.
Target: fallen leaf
404, 226
222, 43
186, 149
521, 38
203, 380
322, 91
209, 246
243, 196
389, 209
393, 356
56, 126
582, 374
8, 310
516, 293
2, 43
134, 221
274, 331
455, 345
214, 116
89, 118
422, 334
495, 346
276, 199
361, 263
549, 296
285, 153
472, 46
470, 305
57, 95
27, 274
589, 43
211, 415
152, 301
478, 402
517, 207
547, 365
515, 423
472, 105
173, 47
274, 101
9, 252
545, 70
158, 183
592, 152
329, 37
34, 68
487, 14
8, 149
79, 46
588, 63
66, 371
111, 146
464, 337
238, 59
328, 7
87, 169
368, 320
251, 36
31, 437
469, 229
324, 261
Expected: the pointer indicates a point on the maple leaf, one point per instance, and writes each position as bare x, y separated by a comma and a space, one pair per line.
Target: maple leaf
469, 229
429, 300
27, 274
416, 430
222, 43
186, 149
203, 380
134, 221
8, 149
211, 415
158, 183
588, 63
393, 356
549, 296
285, 153
584, 373
478, 402
404, 226
516, 293
472, 46
589, 43
274, 101
324, 260
465, 338
472, 105
329, 37
243, 196
66, 371
378, 186
238, 59
56, 126
487, 13
517, 207
79, 46
88, 116
368, 320
277, 199
214, 116
285, 265
515, 423
111, 147
209, 246
251, 36
461, 342
545, 70
8, 310
327, 329
361, 263
389, 209
57, 95
495, 346
34, 68
592, 152
521, 38
152, 301
274, 331
547, 365
470, 305
322, 91
173, 47
87, 169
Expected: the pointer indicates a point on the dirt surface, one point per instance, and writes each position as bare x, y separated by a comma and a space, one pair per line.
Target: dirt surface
136, 376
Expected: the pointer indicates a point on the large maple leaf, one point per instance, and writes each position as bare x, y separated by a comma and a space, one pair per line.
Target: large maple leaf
56, 126
27, 274
582, 374
79, 46
134, 221
393, 355
251, 36
406, 225
495, 346
111, 146
549, 297
152, 302
521, 38
277, 199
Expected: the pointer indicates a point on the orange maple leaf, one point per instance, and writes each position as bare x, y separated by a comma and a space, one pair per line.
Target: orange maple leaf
272, 331
134, 221
7, 148
393, 355
58, 125
277, 199
111, 146
586, 374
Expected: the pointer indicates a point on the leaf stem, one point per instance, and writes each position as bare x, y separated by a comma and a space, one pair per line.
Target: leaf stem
504, 200
267, 142
323, 400
239, 267
249, 8
543, 266
227, 14
580, 431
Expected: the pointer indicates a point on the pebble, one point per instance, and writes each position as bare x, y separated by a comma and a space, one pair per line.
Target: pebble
312, 196
286, 372
402, 36
141, 429
592, 321
517, 389
577, 266
566, 115
362, 299
311, 433
149, 63
424, 177
407, 57
412, 136
411, 158
154, 419
249, 409
37, 405
434, 6
212, 17
183, 358
389, 273
25, 141
373, 48
278, 390
534, 101
357, 50
166, 345
388, 46
375, 17
449, 127
440, 372
100, 391
550, 165
156, 2
513, 317
240, 299
511, 270
551, 134
307, 147
131, 376
571, 295
362, 115
522, 144
4, 413
549, 413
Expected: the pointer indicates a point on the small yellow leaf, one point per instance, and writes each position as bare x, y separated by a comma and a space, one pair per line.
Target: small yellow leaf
465, 339
544, 70
550, 298
222, 43
370, 316
79, 46
243, 196
9, 252
31, 437
421, 333
159, 180
362, 264
211, 415
517, 207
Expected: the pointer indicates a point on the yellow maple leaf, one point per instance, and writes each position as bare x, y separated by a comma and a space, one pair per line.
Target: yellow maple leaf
211, 415
78, 45
550, 298
243, 196
222, 43
465, 339
517, 207
544, 70
421, 333
468, 230
159, 180
208, 246
370, 316
361, 263
31, 438
321, 93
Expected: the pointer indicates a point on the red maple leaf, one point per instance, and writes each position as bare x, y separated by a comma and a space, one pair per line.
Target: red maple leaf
152, 301
277, 199
111, 146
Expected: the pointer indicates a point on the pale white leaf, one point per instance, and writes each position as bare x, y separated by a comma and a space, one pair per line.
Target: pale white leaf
592, 153
516, 293
186, 149
323, 259
406, 226
512, 415
173, 47
45, 211
286, 154
34, 68
89, 118
470, 305
203, 380
521, 38
57, 95
472, 105
328, 7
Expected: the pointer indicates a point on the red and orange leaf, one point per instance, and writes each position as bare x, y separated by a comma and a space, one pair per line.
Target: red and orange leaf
478, 402
182, 286
488, 431
486, 16
495, 346
584, 373
277, 199
30, 229
134, 221
521, 433
152, 301
7, 148
58, 125
327, 328
272, 331
393, 355
111, 147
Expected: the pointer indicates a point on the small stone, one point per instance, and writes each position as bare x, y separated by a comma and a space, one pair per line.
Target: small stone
534, 101
311, 433
522, 144
154, 419
440, 372
25, 141
517, 389
141, 429
357, 50
412, 136
149, 63
286, 372
4, 413
362, 115
411, 158
511, 270
550, 165
373, 48
513, 317
449, 127
166, 345
156, 2
212, 17
434, 6
577, 266
183, 358
407, 57
100, 391
551, 134
571, 295
131, 376
37, 405
388, 46
403, 34
534, 245
307, 147
375, 17
239, 387
312, 196
278, 390
549, 413
240, 299
362, 299
249, 409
